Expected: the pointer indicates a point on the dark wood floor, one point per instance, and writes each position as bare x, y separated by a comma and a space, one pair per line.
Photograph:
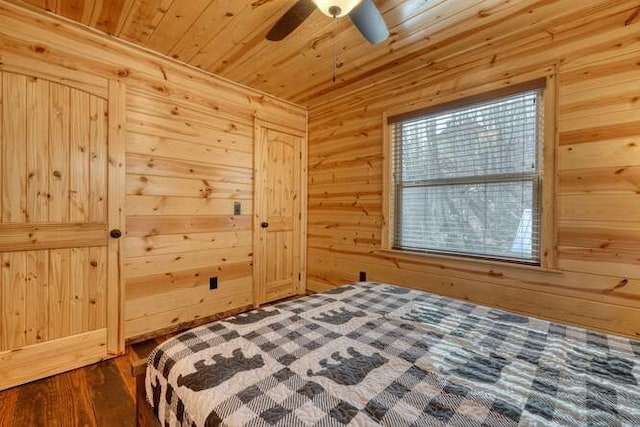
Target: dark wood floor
98, 395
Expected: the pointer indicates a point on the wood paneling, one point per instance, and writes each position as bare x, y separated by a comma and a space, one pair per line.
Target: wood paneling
14, 156
186, 166
15, 237
227, 37
596, 283
181, 148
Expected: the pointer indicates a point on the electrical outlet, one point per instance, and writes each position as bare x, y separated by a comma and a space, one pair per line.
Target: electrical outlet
363, 276
237, 208
213, 283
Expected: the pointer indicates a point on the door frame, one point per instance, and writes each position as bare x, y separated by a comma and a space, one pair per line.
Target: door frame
258, 271
116, 189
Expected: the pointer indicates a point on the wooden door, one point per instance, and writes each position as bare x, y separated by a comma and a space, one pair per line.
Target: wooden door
280, 200
61, 173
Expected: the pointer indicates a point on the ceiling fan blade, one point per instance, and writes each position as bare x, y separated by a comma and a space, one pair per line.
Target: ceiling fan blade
291, 20
368, 19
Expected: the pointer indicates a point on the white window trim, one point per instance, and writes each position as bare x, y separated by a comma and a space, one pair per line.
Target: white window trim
548, 234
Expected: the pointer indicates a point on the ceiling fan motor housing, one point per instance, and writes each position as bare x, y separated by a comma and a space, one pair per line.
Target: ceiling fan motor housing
363, 13
336, 8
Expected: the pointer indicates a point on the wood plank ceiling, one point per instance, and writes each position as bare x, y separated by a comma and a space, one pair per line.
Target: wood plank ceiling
227, 37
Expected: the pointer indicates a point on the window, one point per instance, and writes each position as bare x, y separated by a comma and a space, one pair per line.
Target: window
466, 177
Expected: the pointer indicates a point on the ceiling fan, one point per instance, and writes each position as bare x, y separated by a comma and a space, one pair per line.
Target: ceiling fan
363, 13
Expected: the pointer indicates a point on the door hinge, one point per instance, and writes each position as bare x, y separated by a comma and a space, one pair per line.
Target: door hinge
300, 216
301, 155
299, 277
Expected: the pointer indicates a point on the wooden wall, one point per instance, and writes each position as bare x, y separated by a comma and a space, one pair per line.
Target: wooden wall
597, 198
189, 157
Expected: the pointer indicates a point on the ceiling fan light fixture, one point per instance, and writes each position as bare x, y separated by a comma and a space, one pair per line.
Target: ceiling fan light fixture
336, 8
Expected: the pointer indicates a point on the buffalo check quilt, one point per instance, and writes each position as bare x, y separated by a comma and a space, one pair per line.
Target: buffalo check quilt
375, 354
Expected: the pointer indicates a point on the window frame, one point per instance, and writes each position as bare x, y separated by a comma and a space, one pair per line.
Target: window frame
546, 83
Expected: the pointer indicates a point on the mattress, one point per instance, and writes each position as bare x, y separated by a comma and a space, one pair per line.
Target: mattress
376, 354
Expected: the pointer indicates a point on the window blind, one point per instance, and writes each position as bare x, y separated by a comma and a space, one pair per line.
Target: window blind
466, 180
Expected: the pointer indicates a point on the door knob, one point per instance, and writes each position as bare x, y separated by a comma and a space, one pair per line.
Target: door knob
264, 225
115, 233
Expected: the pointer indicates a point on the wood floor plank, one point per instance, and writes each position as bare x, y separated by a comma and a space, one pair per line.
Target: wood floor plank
124, 368
112, 402
77, 410
60, 401
98, 395
8, 401
35, 404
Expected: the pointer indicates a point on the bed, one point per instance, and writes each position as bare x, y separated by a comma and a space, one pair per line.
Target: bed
372, 353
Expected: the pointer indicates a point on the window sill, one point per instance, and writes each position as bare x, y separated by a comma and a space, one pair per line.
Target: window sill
448, 260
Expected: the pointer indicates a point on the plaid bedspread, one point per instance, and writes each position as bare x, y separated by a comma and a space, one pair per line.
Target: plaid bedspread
369, 354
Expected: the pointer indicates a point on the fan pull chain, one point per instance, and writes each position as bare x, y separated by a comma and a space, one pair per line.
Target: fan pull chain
335, 48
